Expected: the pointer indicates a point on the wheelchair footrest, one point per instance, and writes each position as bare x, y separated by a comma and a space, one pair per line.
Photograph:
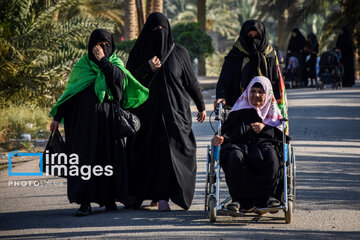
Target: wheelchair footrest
231, 213
271, 210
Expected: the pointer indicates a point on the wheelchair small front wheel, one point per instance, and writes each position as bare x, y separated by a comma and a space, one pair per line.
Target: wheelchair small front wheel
212, 209
289, 212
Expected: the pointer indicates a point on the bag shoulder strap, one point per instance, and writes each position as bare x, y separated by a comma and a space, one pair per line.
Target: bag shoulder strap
168, 54
162, 64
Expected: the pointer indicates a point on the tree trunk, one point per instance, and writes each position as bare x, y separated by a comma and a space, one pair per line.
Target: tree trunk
281, 31
140, 13
131, 20
285, 27
201, 17
154, 6
149, 7
158, 5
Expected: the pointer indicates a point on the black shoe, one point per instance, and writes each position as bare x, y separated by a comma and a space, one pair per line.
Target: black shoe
84, 210
111, 207
272, 202
234, 206
133, 204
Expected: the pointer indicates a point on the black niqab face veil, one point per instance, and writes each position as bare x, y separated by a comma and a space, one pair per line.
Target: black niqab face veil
159, 41
249, 43
99, 36
152, 41
255, 48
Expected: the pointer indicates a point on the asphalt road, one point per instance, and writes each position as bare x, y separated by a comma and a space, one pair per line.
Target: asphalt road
325, 128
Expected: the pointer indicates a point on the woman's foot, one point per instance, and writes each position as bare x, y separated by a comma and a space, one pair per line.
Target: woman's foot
272, 202
163, 206
248, 209
234, 206
111, 206
132, 203
84, 210
154, 203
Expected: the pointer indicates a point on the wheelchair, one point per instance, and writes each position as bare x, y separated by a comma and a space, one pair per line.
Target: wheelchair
213, 201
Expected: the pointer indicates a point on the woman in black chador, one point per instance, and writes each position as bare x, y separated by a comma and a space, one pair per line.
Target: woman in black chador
97, 80
251, 56
296, 49
346, 46
312, 49
250, 145
162, 155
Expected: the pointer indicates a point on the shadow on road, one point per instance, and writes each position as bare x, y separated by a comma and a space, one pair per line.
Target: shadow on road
184, 222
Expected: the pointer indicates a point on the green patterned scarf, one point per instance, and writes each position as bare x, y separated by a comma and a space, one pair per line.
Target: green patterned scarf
85, 72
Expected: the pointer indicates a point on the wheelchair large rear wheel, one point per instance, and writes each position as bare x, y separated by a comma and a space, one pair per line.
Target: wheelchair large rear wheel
212, 209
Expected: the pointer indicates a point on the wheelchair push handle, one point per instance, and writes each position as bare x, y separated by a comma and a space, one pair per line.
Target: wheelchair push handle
219, 118
220, 110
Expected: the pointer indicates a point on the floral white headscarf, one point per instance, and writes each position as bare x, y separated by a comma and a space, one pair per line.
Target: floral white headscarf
269, 112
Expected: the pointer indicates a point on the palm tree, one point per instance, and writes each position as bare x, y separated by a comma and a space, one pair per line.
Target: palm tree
157, 6
112, 10
282, 11
37, 51
131, 20
247, 9
135, 15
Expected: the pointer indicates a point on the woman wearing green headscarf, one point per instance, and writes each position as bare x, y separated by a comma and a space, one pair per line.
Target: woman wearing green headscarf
97, 80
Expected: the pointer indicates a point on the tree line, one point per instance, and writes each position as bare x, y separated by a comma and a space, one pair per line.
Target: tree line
42, 39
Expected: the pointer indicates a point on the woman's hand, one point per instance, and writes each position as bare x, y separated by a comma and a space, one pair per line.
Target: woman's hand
54, 126
98, 52
201, 116
257, 127
219, 100
155, 63
218, 140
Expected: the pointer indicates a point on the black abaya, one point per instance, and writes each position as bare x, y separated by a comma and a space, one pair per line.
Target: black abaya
90, 133
239, 68
296, 44
250, 178
296, 49
346, 46
162, 155
313, 45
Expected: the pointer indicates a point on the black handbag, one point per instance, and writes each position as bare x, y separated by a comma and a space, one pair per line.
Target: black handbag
54, 147
127, 123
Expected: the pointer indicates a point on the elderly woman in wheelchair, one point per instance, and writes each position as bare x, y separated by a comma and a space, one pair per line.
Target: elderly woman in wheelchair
251, 144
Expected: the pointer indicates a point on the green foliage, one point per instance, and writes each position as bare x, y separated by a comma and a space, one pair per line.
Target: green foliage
111, 10
215, 62
323, 17
37, 51
125, 46
196, 41
17, 120
221, 16
123, 49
